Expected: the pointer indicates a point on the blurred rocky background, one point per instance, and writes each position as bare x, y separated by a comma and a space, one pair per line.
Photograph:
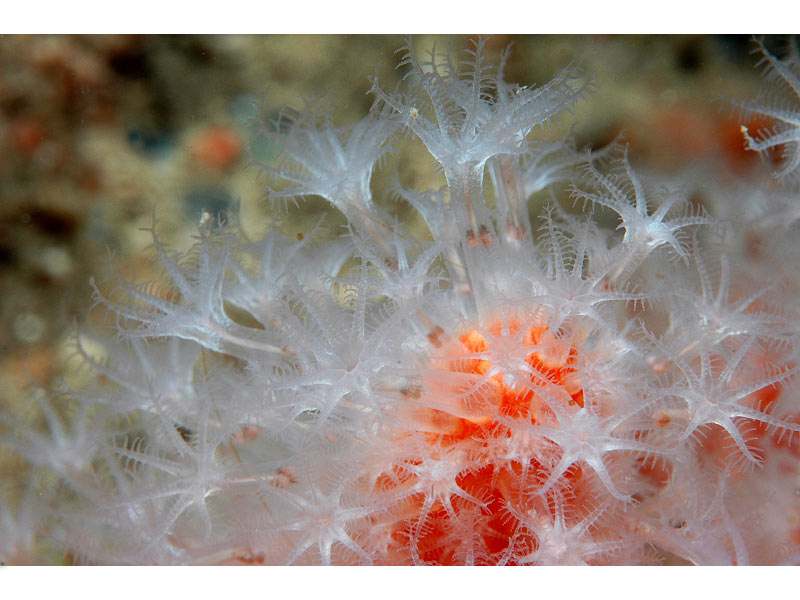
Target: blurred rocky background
99, 133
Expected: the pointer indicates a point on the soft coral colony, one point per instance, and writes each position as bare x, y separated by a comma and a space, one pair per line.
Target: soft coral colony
509, 389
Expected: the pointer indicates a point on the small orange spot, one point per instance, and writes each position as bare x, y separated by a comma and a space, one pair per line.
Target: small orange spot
795, 535
434, 337
248, 432
284, 476
218, 148
27, 136
248, 557
754, 244
656, 471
